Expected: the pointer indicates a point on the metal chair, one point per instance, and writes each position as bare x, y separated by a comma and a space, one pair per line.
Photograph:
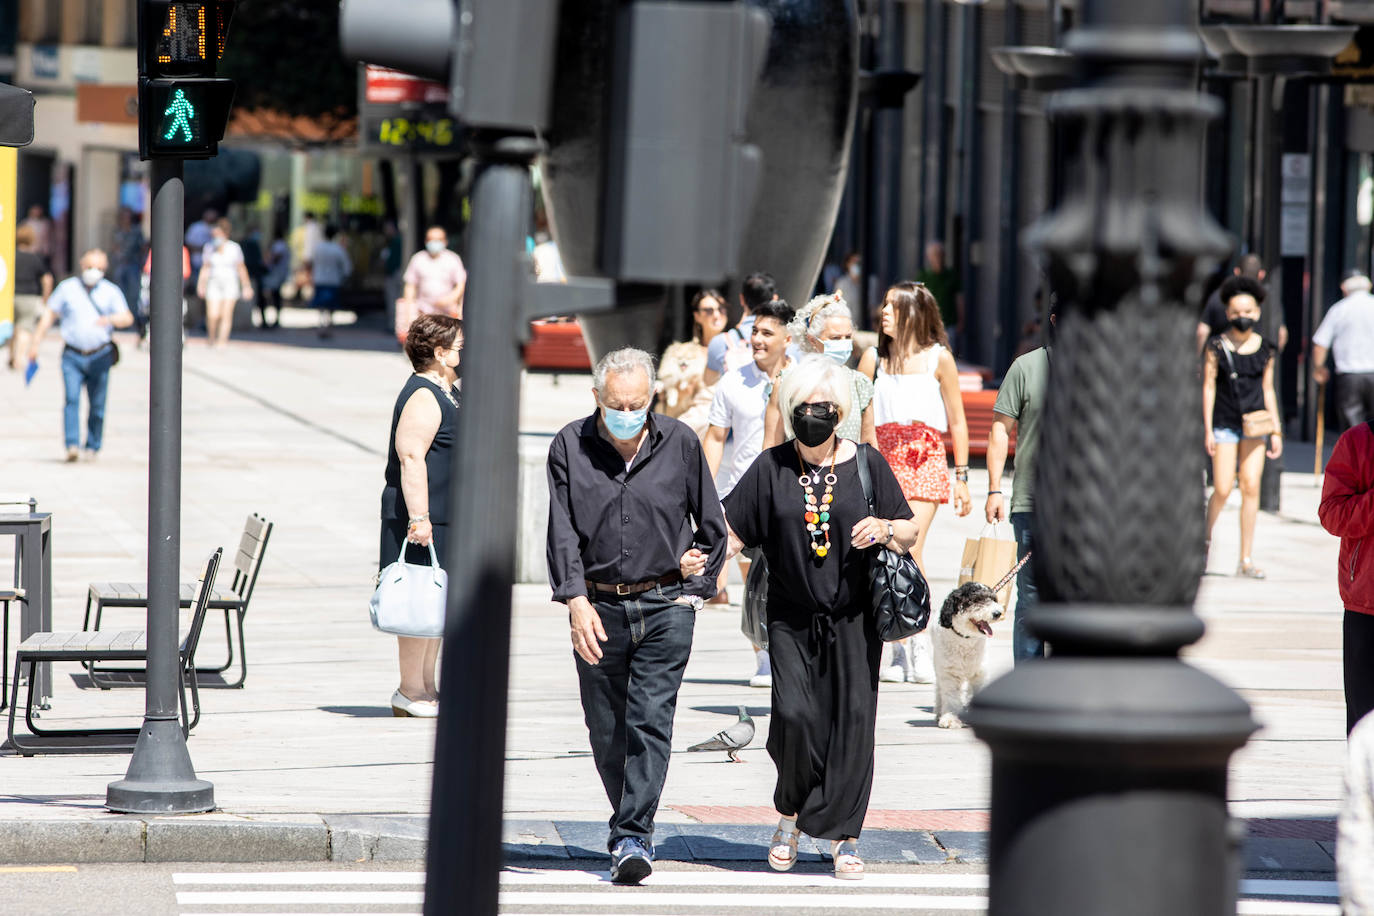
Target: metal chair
90, 646
247, 563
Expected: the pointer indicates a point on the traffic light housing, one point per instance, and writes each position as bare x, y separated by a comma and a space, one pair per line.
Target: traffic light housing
183, 108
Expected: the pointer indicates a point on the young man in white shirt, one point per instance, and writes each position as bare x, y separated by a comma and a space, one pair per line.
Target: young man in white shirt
738, 409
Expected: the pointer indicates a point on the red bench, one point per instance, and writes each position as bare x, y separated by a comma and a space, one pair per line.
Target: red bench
557, 344
978, 416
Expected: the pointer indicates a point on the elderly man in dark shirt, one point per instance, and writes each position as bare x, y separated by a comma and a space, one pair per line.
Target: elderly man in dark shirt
636, 540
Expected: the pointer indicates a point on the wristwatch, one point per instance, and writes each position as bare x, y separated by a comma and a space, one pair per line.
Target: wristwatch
891, 533
695, 601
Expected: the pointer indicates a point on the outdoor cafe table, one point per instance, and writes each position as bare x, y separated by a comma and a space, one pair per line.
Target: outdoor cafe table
32, 532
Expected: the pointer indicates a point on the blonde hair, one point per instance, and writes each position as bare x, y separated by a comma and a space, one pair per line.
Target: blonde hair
813, 374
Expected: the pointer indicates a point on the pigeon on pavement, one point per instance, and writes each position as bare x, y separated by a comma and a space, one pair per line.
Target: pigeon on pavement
730, 739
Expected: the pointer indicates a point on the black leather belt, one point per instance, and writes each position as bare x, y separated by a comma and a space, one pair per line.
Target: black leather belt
633, 588
88, 352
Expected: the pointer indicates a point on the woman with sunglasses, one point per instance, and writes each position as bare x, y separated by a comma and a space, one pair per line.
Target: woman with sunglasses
801, 502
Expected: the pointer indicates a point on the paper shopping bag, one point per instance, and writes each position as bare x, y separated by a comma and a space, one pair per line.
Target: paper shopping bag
987, 558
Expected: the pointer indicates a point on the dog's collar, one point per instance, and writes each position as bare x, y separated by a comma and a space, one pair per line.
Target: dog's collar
954, 631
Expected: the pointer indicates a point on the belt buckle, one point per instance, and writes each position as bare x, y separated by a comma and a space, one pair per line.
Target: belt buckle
622, 589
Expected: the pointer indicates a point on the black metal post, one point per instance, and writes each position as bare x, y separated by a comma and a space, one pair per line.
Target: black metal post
1109, 758
1269, 177
469, 756
161, 778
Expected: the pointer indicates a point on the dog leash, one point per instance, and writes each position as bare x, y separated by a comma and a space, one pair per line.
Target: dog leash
1008, 577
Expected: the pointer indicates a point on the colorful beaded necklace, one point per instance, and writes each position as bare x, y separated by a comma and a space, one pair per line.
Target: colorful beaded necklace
817, 514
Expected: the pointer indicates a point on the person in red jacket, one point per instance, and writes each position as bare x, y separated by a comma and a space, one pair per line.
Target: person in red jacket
1347, 511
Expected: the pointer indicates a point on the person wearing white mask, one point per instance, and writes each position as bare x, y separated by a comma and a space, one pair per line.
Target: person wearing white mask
824, 325
222, 282
435, 281
87, 309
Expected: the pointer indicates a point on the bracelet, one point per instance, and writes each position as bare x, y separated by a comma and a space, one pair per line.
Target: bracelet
419, 518
891, 533
961, 476
994, 492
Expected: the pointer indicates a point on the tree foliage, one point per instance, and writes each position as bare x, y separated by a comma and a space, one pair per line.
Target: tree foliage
285, 57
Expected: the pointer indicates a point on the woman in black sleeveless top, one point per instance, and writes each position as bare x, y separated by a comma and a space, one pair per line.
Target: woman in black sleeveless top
1238, 379
415, 501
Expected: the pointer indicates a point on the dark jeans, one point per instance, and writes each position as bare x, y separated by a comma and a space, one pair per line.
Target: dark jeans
1355, 397
629, 698
93, 373
1024, 643
1358, 632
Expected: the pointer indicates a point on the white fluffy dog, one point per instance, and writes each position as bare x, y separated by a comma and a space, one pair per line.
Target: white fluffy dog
959, 642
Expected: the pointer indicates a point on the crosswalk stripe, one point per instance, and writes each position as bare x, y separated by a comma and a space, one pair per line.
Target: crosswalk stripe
1286, 908
301, 877
261, 898
1272, 887
729, 901
761, 879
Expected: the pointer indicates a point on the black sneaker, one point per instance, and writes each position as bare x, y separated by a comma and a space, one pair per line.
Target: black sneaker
631, 862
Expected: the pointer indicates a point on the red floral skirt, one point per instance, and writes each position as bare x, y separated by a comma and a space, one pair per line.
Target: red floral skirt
917, 456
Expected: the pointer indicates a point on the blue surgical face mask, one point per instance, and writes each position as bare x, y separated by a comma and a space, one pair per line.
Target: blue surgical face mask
839, 350
624, 424
435, 247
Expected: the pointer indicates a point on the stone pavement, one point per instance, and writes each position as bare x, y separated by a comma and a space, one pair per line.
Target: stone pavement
309, 764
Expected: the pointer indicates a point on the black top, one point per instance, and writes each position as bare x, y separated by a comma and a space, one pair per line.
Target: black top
438, 460
29, 269
1242, 393
765, 510
617, 526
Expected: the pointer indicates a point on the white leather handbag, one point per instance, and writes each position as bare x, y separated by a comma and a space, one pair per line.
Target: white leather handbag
410, 599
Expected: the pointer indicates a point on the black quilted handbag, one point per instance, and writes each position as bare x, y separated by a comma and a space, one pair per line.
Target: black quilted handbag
901, 596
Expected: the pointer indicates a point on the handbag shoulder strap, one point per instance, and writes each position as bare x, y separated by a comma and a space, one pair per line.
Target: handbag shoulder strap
865, 480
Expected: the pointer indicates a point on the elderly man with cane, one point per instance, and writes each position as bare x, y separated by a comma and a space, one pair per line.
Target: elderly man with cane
636, 540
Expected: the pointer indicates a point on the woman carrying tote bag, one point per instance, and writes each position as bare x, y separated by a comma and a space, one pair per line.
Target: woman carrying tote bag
415, 509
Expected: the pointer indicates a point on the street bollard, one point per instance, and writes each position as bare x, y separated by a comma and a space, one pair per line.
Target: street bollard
1109, 758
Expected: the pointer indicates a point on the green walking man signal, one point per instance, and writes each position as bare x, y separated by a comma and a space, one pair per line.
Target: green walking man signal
183, 107
181, 112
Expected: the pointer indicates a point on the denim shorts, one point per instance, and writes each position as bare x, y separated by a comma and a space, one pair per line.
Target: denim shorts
1229, 436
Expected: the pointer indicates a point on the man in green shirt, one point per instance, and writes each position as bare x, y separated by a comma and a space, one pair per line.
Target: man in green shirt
1020, 402
943, 284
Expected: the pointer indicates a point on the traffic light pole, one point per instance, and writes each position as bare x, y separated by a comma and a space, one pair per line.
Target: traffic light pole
464, 859
161, 778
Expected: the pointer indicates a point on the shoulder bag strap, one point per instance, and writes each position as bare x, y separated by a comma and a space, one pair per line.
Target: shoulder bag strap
865, 480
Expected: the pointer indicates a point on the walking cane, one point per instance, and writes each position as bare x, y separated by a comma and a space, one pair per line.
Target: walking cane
1321, 429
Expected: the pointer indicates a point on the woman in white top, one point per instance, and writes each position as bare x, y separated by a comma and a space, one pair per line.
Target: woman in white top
223, 281
915, 399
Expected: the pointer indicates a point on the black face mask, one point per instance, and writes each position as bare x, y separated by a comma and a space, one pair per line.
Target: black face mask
813, 428
1242, 323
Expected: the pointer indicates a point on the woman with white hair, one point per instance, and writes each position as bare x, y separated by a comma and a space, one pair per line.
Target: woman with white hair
802, 503
824, 325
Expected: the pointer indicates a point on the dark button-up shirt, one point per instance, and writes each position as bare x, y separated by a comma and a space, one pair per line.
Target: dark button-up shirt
617, 526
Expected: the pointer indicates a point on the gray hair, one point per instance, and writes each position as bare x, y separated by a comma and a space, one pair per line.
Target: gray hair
839, 309
813, 374
811, 318
626, 359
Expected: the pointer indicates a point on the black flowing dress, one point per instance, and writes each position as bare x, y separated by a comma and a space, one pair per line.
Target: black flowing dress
821, 637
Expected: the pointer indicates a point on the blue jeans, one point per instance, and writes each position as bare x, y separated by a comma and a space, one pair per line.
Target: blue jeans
1024, 644
93, 372
629, 698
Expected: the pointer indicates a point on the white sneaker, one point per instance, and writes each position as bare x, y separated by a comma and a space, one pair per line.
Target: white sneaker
922, 668
895, 671
763, 677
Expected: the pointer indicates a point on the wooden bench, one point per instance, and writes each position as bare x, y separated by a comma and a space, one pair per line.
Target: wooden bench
91, 646
234, 603
978, 416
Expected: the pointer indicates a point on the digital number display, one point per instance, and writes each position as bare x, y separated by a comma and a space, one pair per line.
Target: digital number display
183, 35
411, 132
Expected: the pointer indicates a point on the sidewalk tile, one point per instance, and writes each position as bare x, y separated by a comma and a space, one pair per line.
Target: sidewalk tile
910, 847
